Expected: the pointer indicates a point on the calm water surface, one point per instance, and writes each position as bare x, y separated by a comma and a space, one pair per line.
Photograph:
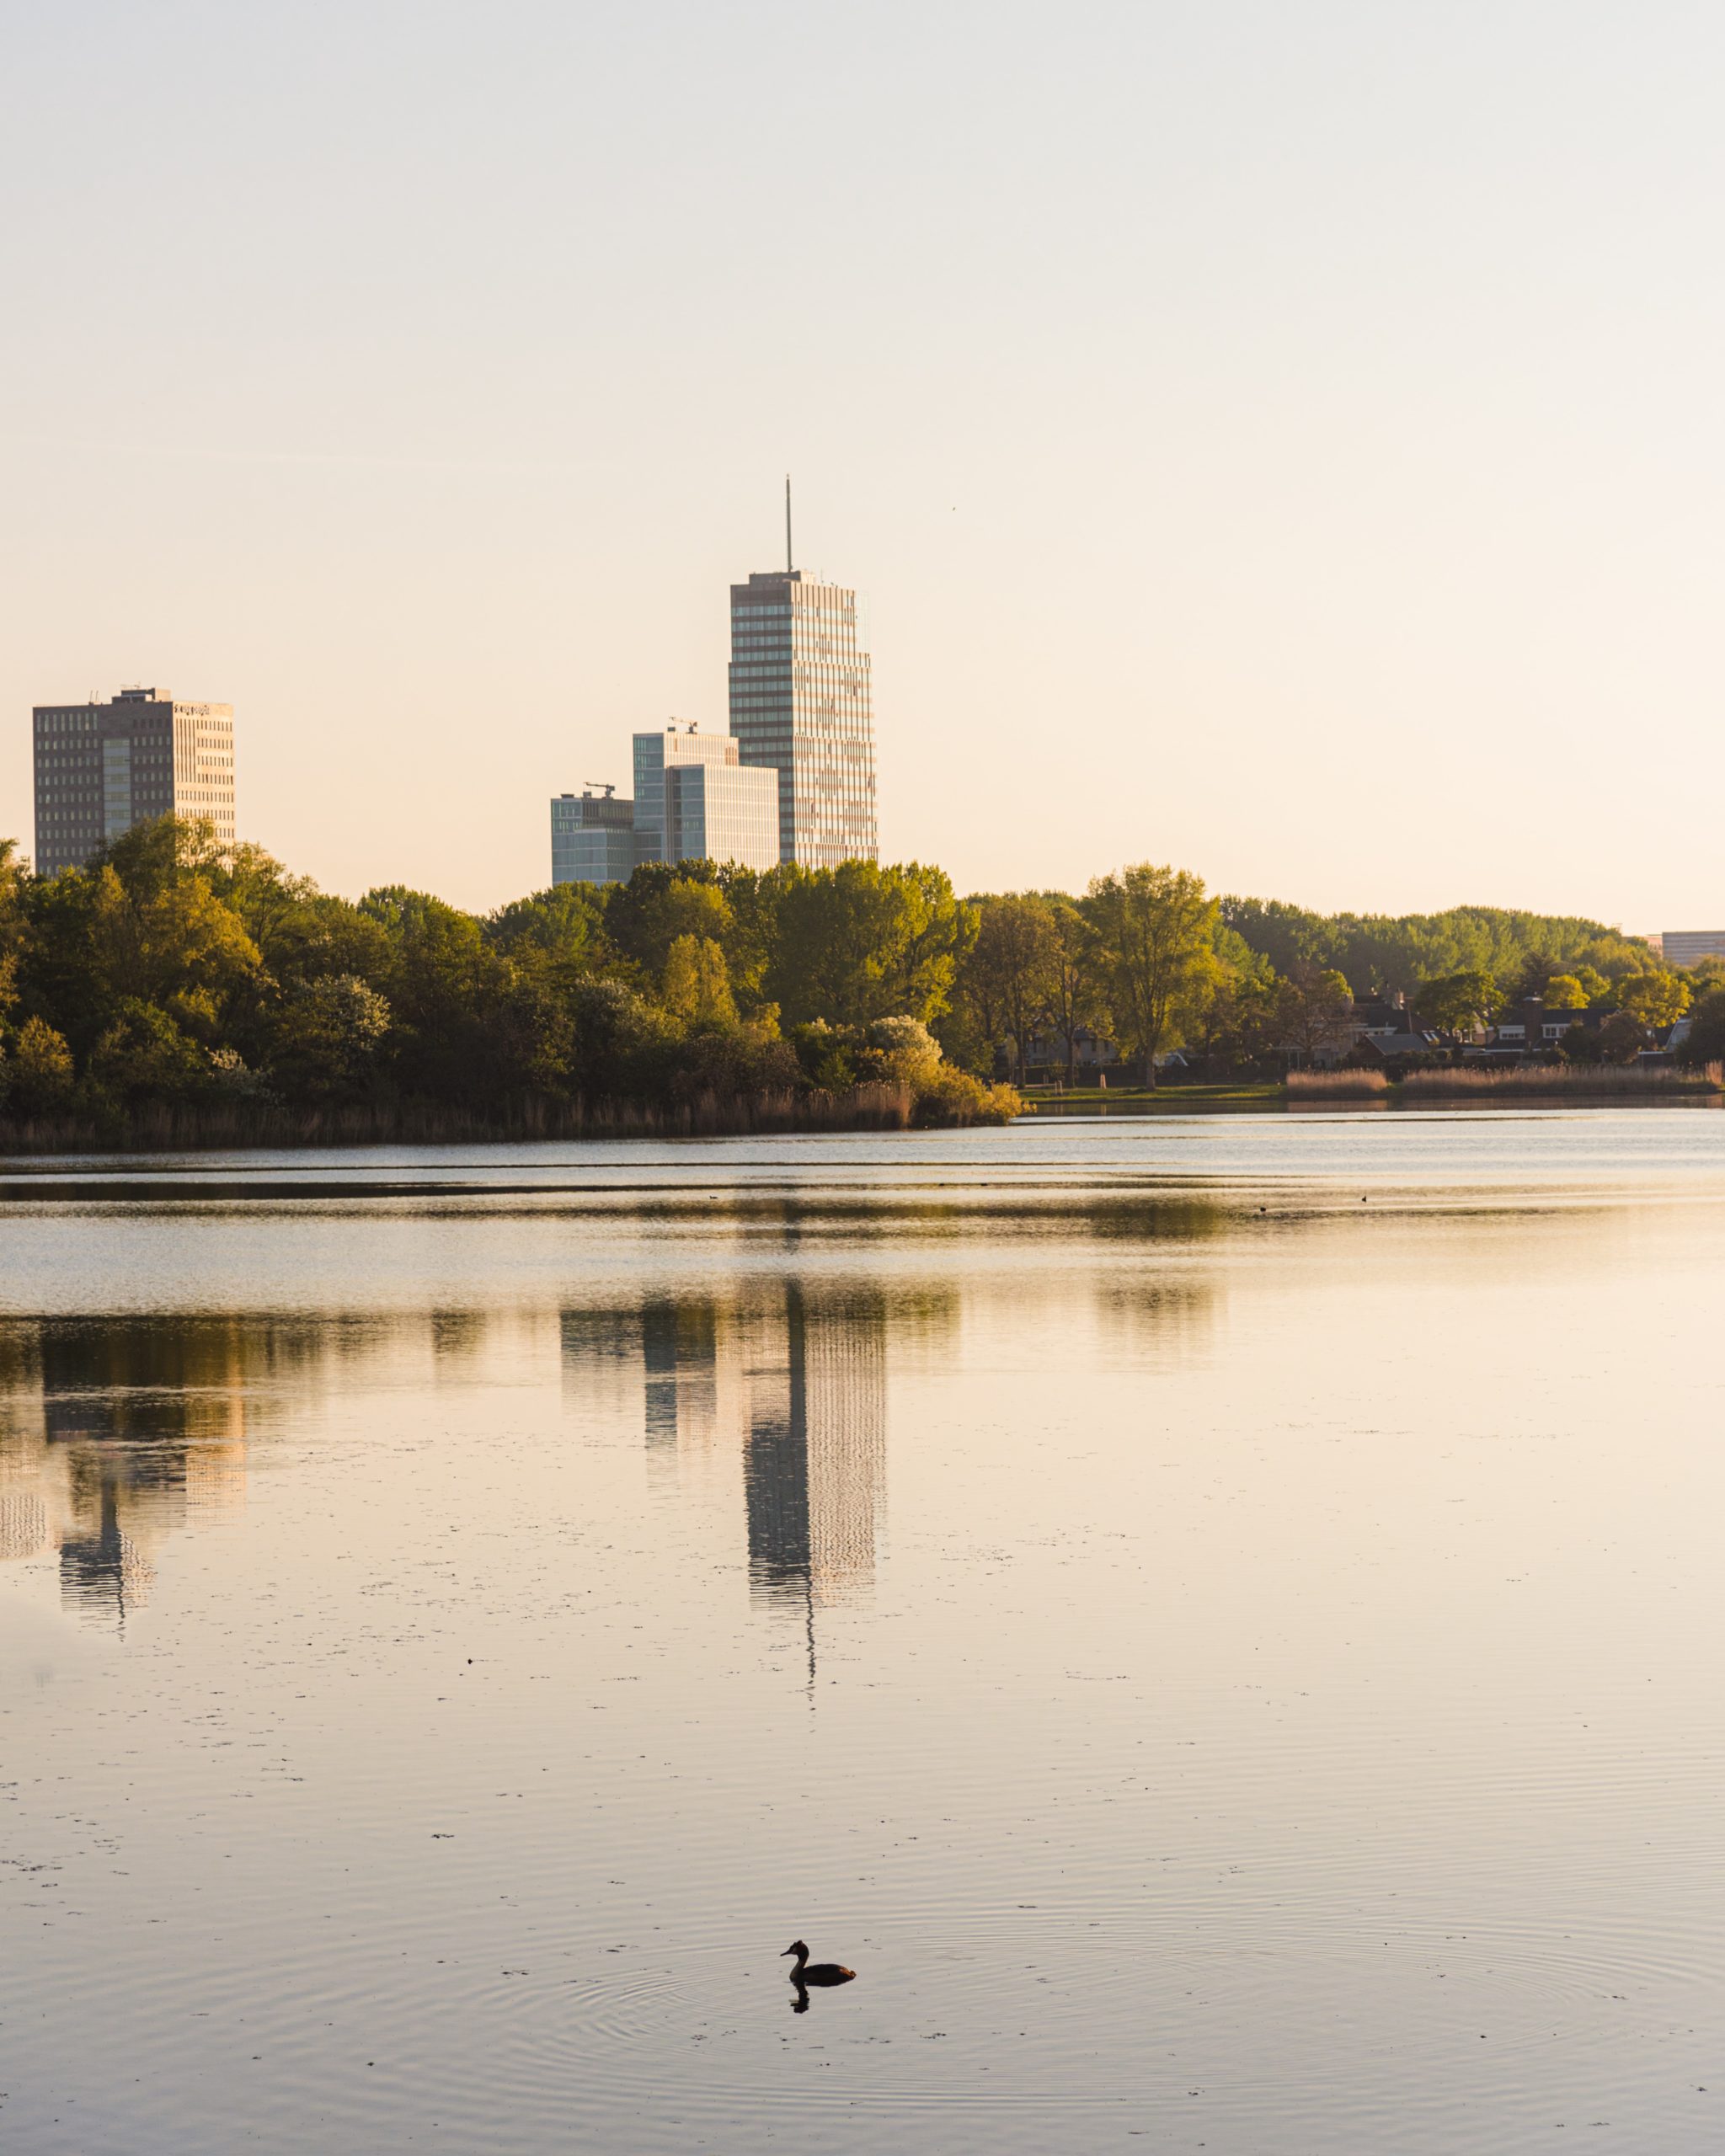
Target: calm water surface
1216, 1622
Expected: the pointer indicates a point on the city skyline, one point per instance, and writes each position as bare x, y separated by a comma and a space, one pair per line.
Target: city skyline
1297, 450
799, 708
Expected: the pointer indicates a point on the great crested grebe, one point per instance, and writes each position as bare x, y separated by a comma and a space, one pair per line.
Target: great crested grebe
815, 1973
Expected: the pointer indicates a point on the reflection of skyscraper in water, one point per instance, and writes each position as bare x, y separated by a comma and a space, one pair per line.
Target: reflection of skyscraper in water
815, 1473
23, 1521
138, 1428
695, 1393
794, 1377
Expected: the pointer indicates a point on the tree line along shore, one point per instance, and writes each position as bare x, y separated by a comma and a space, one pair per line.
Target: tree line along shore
175, 992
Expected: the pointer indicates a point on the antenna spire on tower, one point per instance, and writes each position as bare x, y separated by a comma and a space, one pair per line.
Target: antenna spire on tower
790, 558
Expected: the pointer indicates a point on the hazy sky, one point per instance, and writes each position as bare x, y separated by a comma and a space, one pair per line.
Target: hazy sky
1282, 437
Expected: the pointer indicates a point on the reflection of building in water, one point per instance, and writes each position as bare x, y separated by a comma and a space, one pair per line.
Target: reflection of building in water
132, 1428
696, 1392
23, 1520
797, 1379
816, 1464
792, 1376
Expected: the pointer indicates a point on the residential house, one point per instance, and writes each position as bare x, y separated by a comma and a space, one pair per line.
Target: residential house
1530, 1028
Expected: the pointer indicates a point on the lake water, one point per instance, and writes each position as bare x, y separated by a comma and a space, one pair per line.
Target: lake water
1215, 1620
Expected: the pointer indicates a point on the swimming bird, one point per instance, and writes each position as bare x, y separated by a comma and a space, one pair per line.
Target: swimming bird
815, 1973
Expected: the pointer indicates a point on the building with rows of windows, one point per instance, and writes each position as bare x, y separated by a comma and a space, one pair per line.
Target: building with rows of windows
799, 705
694, 800
794, 780
592, 837
101, 768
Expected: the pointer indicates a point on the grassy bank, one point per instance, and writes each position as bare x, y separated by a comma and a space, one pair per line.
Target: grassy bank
1576, 1082
1173, 1100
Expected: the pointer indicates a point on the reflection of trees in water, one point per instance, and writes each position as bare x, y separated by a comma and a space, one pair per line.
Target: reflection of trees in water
1157, 1313
1005, 1216
458, 1336
1158, 1221
116, 1432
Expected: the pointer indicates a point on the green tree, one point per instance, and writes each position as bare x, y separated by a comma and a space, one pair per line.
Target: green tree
143, 922
751, 937
1153, 931
1314, 1010
1007, 976
696, 987
1287, 936
145, 1054
255, 884
532, 1047
909, 1054
1392, 954
15, 923
1620, 1039
862, 942
1653, 999
563, 922
622, 1043
1564, 992
444, 986
1456, 1003
327, 1037
1076, 1002
40, 1070
1236, 1020
659, 903
1707, 1030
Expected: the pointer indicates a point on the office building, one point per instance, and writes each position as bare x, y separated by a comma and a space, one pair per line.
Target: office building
1684, 947
799, 705
101, 768
697, 800
721, 812
592, 838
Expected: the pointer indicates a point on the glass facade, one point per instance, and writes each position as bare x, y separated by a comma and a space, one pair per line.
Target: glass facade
721, 812
592, 838
656, 753
694, 801
800, 704
101, 768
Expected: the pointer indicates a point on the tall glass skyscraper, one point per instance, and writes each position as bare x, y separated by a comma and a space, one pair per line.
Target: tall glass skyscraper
800, 703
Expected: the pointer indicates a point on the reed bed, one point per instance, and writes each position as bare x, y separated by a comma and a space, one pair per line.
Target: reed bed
237, 1125
1336, 1085
1607, 1082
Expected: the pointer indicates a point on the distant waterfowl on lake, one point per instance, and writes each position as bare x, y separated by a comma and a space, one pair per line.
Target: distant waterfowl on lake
816, 1972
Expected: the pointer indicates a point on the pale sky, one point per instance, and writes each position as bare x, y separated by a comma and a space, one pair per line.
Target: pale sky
1281, 437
